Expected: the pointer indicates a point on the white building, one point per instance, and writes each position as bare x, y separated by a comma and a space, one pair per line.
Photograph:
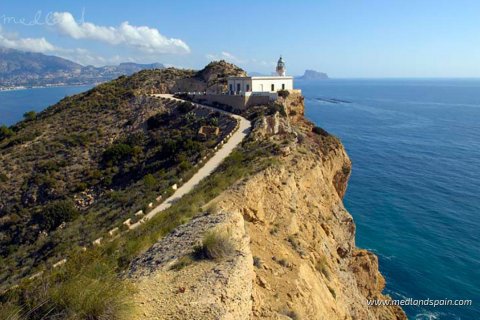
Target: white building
268, 86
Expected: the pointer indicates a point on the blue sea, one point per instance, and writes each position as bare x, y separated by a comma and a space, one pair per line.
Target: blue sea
13, 104
415, 184
414, 192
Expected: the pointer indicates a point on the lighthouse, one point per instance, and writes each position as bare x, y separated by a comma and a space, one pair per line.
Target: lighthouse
261, 86
281, 67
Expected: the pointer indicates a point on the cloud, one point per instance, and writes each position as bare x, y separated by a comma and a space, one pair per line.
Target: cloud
143, 38
42, 45
12, 41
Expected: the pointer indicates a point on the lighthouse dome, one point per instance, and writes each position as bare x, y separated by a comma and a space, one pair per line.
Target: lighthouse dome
281, 67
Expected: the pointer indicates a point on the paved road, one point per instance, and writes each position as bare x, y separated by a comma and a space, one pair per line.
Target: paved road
207, 168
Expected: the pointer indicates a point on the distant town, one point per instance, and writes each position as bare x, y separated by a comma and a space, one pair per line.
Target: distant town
26, 70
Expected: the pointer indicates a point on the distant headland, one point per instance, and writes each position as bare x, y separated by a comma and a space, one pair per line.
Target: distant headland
313, 75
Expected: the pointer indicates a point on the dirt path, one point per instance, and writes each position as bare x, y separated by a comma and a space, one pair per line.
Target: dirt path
207, 168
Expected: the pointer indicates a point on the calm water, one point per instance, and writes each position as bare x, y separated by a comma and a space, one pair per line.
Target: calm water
415, 148
13, 104
414, 190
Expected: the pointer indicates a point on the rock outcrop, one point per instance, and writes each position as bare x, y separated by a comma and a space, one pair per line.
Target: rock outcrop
301, 241
205, 289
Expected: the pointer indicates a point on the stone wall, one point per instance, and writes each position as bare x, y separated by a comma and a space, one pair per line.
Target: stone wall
237, 102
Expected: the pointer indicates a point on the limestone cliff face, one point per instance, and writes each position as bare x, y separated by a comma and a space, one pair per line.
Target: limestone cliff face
305, 242
301, 238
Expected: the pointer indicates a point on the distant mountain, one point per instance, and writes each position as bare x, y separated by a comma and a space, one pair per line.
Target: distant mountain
313, 75
30, 69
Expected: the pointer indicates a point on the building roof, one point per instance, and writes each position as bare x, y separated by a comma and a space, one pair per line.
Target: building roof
261, 78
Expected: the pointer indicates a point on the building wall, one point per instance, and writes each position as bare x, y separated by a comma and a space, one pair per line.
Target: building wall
238, 102
242, 85
264, 84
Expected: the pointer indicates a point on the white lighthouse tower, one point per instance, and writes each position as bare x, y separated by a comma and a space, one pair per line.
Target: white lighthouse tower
281, 67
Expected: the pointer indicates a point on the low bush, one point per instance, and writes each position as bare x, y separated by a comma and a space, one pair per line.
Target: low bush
283, 93
322, 266
215, 245
117, 152
5, 132
290, 313
55, 213
149, 181
277, 107
320, 131
86, 287
257, 262
30, 115
185, 107
3, 177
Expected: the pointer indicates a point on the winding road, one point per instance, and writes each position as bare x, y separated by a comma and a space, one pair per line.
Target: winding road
207, 168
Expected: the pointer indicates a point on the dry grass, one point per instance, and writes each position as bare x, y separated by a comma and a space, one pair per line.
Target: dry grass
215, 245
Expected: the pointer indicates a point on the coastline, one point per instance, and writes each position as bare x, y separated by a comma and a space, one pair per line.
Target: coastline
18, 88
17, 101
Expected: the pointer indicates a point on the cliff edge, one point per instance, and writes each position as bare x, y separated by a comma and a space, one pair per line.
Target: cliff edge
293, 253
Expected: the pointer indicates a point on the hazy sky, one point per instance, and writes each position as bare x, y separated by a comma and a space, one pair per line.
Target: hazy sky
375, 38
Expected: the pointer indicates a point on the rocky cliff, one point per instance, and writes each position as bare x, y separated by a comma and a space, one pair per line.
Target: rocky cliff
295, 255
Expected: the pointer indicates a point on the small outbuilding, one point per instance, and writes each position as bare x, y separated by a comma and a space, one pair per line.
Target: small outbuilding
207, 132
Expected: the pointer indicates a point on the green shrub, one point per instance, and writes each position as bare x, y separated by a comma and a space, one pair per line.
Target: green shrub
5, 132
277, 107
10, 311
295, 243
185, 107
283, 93
117, 152
93, 292
55, 213
320, 131
86, 287
149, 181
30, 115
3, 177
215, 245
80, 186
25, 137
257, 262
290, 313
322, 266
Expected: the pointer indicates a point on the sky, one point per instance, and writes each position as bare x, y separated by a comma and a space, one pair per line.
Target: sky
344, 38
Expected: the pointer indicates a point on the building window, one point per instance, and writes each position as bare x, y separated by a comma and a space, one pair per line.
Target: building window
283, 86
273, 87
238, 87
231, 87
248, 88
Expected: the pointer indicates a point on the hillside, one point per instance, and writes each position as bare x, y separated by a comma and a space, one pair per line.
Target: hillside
87, 163
18, 68
266, 236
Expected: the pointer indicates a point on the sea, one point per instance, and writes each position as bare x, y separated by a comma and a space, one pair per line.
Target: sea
414, 191
14, 103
